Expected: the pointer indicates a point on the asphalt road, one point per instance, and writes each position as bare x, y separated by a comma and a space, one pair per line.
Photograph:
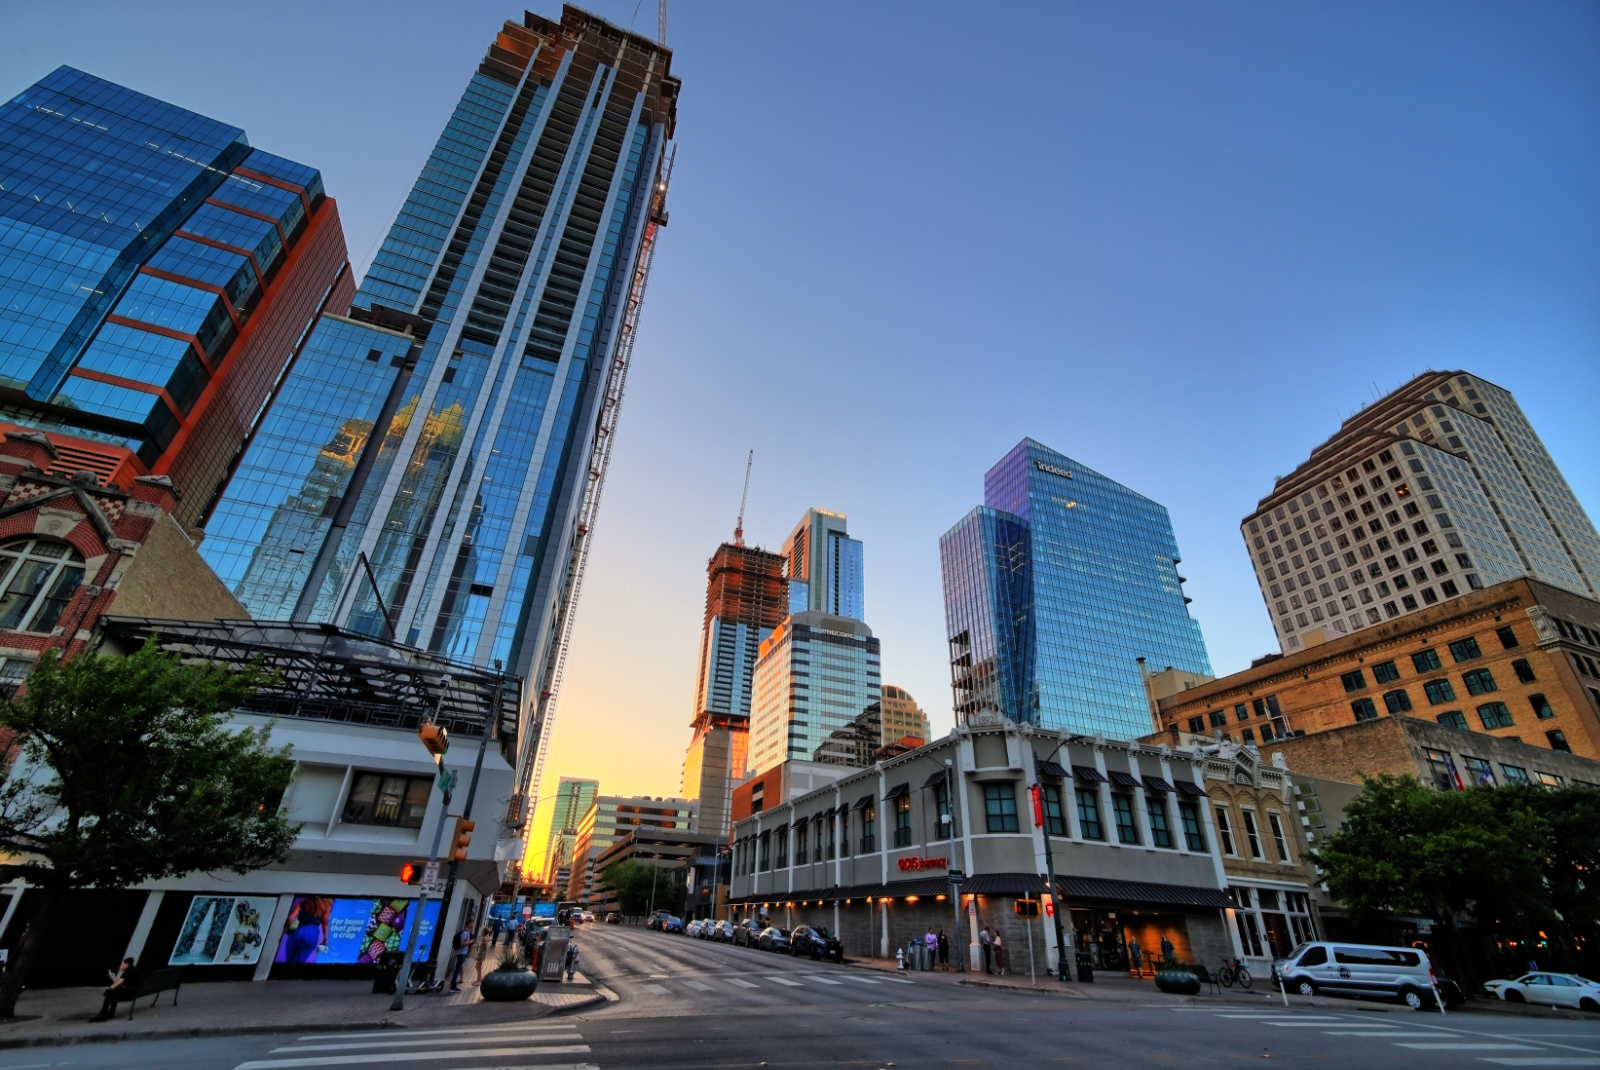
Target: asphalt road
689, 1004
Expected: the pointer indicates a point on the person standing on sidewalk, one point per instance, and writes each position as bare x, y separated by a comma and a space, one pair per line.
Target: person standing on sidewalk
486, 940
944, 950
986, 942
1136, 958
463, 949
999, 954
1166, 951
930, 945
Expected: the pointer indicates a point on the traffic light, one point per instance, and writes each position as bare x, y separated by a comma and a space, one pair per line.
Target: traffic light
462, 839
435, 737
411, 872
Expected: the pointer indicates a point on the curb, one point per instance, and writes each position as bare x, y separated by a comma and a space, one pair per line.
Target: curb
601, 996
60, 1040
1059, 993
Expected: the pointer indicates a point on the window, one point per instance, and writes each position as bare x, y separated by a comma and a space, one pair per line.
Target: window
1385, 672
1241, 713
801, 854
1541, 707
1439, 692
1363, 709
1508, 638
382, 799
1465, 650
765, 862
1549, 780
1558, 740
843, 832
1353, 681
1089, 814
1495, 715
783, 848
1478, 771
1055, 819
1427, 661
1122, 810
1197, 725
1218, 719
1248, 735
1523, 670
1160, 831
902, 818
1252, 835
1224, 831
1279, 840
1479, 681
832, 830
1441, 769
1396, 701
1453, 719
38, 578
1193, 836
1000, 806
1515, 774
869, 827
941, 810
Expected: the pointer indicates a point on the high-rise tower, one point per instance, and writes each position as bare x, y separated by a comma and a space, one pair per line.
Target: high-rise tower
1054, 588
525, 244
745, 600
1439, 488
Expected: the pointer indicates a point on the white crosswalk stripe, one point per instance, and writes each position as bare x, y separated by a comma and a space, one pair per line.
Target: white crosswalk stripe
546, 1046
741, 982
784, 981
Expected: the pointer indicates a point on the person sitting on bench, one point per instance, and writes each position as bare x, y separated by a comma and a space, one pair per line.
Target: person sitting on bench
123, 987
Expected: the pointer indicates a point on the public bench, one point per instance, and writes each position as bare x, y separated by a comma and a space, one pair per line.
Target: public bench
169, 979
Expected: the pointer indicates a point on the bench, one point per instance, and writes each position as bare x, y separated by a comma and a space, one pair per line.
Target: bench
1207, 977
165, 980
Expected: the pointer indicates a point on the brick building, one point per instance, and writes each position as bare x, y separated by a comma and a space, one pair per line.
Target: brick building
1519, 661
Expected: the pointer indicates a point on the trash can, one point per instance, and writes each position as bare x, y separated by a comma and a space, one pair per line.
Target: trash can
1085, 967
383, 982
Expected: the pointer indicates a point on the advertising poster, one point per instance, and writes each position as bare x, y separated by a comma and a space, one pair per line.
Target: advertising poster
343, 931
224, 930
544, 910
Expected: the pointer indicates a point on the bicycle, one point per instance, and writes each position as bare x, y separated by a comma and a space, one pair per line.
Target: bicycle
1233, 970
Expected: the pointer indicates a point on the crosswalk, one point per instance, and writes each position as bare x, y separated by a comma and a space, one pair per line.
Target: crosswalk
701, 983
1501, 1050
516, 1046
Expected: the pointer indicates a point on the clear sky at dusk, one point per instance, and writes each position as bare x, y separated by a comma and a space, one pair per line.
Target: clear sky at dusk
1177, 242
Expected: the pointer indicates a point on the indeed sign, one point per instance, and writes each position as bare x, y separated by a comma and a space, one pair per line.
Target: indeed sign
1064, 473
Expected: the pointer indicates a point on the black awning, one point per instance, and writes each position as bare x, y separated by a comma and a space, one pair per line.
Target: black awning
1155, 783
1088, 774
1053, 770
919, 886
1003, 884
864, 802
896, 791
1125, 780
937, 778
1188, 787
1078, 888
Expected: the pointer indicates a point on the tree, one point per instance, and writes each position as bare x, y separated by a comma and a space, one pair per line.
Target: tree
638, 884
128, 773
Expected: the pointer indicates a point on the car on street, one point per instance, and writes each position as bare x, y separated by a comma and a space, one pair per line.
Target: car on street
721, 932
670, 924
1333, 969
1551, 989
692, 929
613, 918
747, 933
815, 942
773, 938
588, 915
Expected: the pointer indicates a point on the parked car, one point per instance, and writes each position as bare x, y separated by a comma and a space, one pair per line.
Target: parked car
656, 921
747, 933
692, 929
773, 938
613, 918
1401, 973
721, 932
817, 942
1553, 989
670, 924
1453, 994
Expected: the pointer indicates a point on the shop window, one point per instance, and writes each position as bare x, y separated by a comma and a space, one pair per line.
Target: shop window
1249, 933
1479, 682
1089, 814
1160, 830
38, 578
1252, 835
1194, 836
902, 820
382, 799
1055, 819
1225, 831
1000, 806
1122, 812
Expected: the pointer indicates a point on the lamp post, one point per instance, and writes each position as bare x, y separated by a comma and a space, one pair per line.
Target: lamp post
445, 784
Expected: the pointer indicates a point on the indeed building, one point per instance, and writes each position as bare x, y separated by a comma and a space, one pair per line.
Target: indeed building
1054, 588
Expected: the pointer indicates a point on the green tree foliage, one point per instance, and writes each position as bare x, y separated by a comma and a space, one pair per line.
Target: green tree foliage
638, 884
129, 773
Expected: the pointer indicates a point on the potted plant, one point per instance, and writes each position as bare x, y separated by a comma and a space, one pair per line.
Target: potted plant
1178, 979
510, 980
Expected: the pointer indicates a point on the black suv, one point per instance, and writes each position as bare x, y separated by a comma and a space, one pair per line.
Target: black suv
816, 941
747, 933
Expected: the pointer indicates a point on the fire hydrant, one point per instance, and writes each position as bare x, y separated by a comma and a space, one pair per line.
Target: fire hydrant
900, 958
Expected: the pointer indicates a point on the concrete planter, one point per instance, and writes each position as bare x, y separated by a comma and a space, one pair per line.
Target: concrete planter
1179, 982
507, 986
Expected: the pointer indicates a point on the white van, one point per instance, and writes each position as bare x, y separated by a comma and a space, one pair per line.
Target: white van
1334, 969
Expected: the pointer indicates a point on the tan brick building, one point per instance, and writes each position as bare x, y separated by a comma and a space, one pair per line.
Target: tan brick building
1519, 661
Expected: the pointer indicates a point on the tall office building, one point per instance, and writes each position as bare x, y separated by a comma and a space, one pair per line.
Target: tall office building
574, 797
1053, 588
746, 598
156, 275
1439, 488
524, 244
610, 818
820, 668
902, 717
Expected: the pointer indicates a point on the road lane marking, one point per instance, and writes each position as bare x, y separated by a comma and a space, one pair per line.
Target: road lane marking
417, 1056
822, 980
1287, 1017
1556, 1060
699, 986
504, 1036
741, 982
1470, 1047
864, 980
784, 981
530, 1028
1390, 1031
657, 989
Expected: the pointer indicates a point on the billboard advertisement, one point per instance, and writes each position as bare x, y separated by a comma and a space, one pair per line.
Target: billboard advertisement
345, 931
544, 910
223, 930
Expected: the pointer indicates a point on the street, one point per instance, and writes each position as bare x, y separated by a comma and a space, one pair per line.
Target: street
689, 1004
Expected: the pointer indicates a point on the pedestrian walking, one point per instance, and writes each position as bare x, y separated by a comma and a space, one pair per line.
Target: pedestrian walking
126, 981
944, 950
486, 940
1000, 955
1136, 958
986, 942
498, 923
572, 960
1166, 951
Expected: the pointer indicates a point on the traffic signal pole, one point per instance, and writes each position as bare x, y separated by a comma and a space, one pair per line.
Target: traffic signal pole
466, 810
1050, 864
446, 782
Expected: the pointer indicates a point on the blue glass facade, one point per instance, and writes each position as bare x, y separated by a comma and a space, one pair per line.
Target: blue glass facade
1054, 587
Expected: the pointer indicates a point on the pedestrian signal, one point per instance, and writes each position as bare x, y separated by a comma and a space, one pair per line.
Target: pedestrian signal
411, 872
1028, 908
462, 839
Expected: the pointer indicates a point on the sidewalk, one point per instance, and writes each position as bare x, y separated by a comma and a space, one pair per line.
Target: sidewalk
51, 1016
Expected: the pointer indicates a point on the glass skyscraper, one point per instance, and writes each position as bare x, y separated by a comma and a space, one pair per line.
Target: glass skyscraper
156, 274
523, 245
1053, 588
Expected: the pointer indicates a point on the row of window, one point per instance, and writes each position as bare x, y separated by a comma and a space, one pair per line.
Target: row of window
1479, 772
1252, 835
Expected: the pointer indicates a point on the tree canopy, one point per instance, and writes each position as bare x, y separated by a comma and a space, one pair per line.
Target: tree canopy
638, 884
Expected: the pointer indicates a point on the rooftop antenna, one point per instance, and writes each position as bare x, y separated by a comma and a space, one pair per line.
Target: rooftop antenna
661, 27
738, 527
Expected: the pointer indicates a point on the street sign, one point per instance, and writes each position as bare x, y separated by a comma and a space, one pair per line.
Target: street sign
957, 876
430, 873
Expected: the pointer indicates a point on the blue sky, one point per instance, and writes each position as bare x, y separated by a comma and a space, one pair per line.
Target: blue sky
1177, 242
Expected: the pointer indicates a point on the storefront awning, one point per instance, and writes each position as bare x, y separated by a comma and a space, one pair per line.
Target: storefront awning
1088, 774
919, 887
1155, 783
1125, 780
863, 802
941, 777
1053, 770
1003, 884
1186, 787
896, 791
1138, 892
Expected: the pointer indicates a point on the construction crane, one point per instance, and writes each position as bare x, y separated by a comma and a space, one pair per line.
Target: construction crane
738, 527
661, 23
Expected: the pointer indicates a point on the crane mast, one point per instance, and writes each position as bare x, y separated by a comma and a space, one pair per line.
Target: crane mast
738, 527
